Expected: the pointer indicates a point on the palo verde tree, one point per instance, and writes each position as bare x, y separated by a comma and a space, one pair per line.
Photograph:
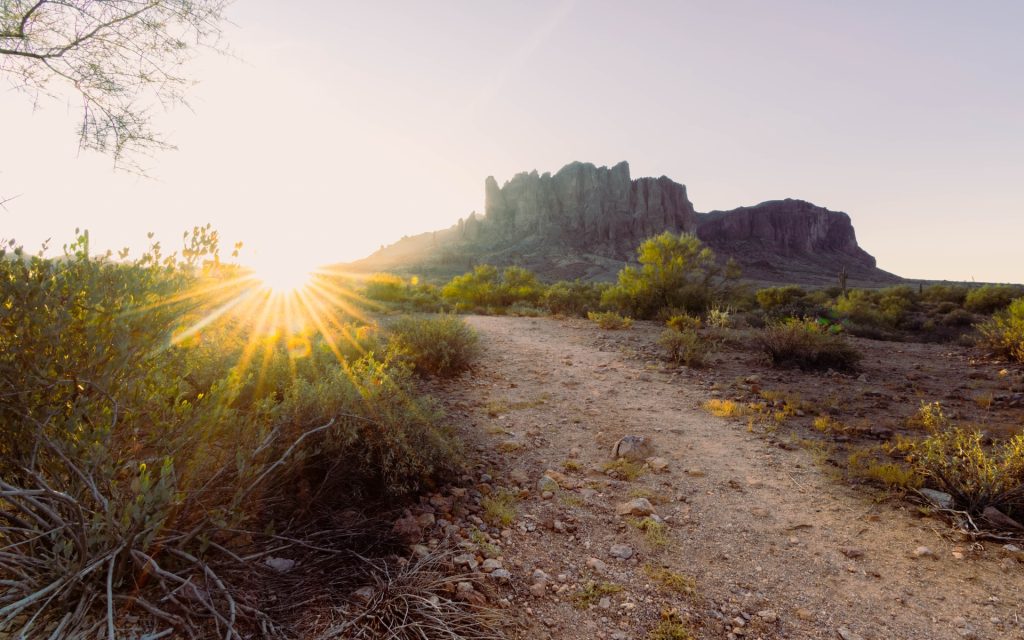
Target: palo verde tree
121, 57
677, 272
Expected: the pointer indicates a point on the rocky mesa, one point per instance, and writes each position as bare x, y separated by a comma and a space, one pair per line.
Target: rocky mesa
586, 221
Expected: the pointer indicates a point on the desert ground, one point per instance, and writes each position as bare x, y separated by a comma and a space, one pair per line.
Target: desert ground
761, 534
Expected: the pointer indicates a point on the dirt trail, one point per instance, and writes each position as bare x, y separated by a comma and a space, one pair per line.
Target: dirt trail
761, 529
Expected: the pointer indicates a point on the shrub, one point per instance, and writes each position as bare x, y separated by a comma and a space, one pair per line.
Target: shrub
958, 318
718, 318
990, 298
610, 320
683, 322
675, 272
685, 347
487, 288
956, 461
724, 408
945, 293
1004, 332
574, 298
442, 345
774, 297
385, 287
150, 438
806, 344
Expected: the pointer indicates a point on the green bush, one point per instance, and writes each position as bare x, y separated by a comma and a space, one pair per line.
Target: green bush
574, 298
957, 462
685, 347
1004, 332
676, 272
442, 346
385, 287
990, 298
610, 320
806, 344
486, 288
159, 420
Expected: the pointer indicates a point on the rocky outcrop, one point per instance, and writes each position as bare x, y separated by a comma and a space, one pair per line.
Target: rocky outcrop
597, 209
585, 221
783, 236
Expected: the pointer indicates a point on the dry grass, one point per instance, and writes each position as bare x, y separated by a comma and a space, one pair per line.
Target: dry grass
499, 509
592, 592
655, 532
671, 581
724, 408
624, 469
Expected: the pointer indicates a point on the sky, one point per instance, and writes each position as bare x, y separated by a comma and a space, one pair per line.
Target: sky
335, 127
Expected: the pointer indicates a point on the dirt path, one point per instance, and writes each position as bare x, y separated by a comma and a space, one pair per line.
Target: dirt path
777, 549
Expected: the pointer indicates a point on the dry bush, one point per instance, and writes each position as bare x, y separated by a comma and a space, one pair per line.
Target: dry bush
412, 601
807, 345
957, 461
685, 347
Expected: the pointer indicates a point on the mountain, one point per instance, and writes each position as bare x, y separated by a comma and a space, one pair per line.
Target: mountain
586, 221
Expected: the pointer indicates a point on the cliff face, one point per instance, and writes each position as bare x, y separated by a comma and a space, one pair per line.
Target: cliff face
584, 207
784, 228
585, 221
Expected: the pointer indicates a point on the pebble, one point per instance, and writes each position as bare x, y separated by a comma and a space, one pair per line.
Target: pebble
923, 552
621, 551
635, 507
597, 565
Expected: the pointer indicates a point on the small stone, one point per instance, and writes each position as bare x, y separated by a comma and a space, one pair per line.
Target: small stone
597, 565
852, 552
547, 484
538, 589
280, 565
635, 448
363, 594
635, 507
426, 520
467, 560
804, 614
940, 499
657, 464
923, 552
420, 550
768, 616
605, 603
621, 551
463, 587
695, 473
490, 565
547, 495
500, 575
846, 634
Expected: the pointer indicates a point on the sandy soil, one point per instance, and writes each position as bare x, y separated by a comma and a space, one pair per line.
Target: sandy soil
778, 548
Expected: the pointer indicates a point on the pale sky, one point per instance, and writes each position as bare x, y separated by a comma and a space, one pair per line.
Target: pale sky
341, 126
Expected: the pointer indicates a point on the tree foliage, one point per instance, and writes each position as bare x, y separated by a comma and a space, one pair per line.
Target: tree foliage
676, 272
121, 57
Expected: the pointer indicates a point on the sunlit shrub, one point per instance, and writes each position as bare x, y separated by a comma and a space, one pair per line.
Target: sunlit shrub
485, 287
774, 297
683, 322
1004, 332
676, 272
956, 461
610, 320
945, 293
441, 345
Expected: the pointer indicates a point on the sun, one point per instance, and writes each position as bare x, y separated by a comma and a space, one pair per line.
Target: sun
283, 275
